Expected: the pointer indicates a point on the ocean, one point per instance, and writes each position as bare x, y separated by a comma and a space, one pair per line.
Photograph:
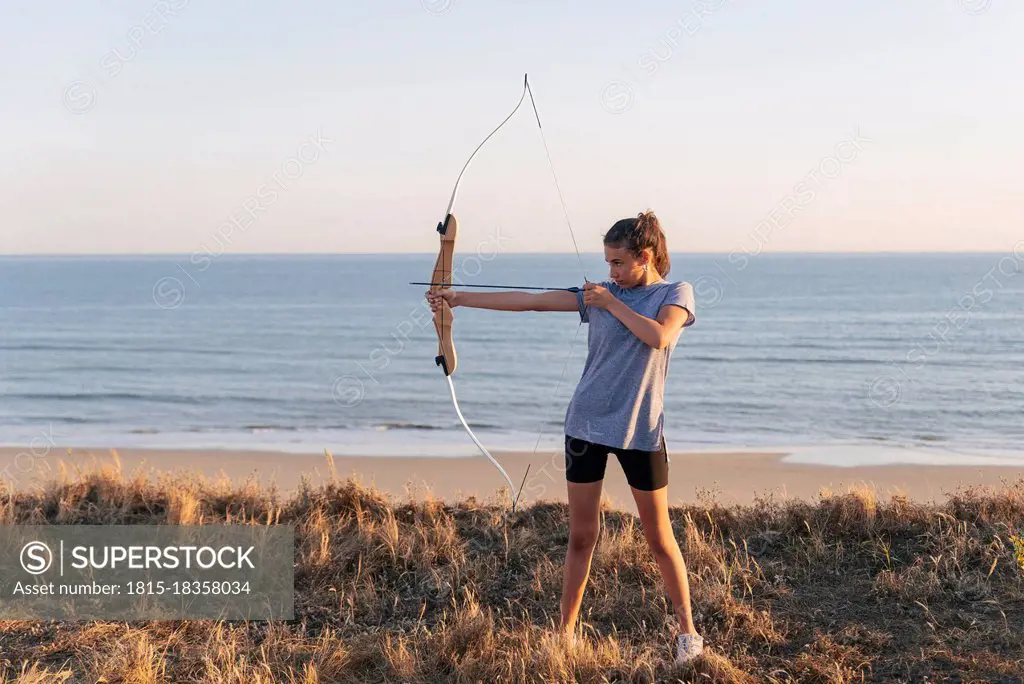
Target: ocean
843, 359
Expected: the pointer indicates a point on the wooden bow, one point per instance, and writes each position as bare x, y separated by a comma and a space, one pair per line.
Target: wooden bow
441, 279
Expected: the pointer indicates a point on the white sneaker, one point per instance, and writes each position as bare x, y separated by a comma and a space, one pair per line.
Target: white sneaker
688, 647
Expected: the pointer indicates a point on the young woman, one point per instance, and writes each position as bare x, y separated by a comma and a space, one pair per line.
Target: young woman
635, 320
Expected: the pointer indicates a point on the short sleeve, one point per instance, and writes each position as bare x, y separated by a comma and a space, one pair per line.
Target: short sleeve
584, 314
681, 295
584, 310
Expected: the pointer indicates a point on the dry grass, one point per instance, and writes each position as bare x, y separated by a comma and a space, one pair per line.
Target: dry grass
848, 588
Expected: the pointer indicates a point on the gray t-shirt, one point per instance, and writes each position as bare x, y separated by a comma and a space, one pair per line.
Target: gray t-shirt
620, 399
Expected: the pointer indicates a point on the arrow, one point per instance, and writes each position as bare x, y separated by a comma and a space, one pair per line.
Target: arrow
503, 287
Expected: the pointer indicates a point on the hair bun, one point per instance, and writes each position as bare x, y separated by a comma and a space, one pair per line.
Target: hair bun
645, 219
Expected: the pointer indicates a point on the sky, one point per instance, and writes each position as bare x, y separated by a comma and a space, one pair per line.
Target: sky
180, 126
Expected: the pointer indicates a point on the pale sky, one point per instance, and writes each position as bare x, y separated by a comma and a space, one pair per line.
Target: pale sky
144, 126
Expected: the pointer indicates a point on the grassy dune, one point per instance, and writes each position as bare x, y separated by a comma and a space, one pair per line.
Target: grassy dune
848, 588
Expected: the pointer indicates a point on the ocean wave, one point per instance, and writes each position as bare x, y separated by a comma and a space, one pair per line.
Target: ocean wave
929, 438
405, 426
115, 396
195, 400
400, 425
258, 429
52, 347
65, 420
780, 359
122, 349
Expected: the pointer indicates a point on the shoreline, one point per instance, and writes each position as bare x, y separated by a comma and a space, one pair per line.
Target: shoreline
729, 478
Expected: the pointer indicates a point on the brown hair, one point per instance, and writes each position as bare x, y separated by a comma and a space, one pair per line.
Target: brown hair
637, 234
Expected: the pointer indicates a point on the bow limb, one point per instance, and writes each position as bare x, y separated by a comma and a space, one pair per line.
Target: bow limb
448, 229
455, 190
483, 449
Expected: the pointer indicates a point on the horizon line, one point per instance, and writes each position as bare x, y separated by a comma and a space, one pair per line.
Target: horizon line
65, 255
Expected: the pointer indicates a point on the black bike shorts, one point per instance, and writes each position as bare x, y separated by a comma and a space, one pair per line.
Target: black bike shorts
645, 470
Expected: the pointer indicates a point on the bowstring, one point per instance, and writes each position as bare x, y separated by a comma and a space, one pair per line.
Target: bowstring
579, 258
558, 187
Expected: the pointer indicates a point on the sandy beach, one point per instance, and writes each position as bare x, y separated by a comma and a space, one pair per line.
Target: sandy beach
729, 478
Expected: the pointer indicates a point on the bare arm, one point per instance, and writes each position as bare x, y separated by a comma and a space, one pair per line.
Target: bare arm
657, 333
558, 300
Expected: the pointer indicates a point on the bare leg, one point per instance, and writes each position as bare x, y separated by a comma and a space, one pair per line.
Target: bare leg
584, 525
653, 510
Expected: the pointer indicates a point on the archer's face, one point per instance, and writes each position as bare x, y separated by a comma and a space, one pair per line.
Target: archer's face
624, 268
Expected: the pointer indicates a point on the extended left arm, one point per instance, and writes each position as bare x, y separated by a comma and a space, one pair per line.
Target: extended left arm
657, 333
